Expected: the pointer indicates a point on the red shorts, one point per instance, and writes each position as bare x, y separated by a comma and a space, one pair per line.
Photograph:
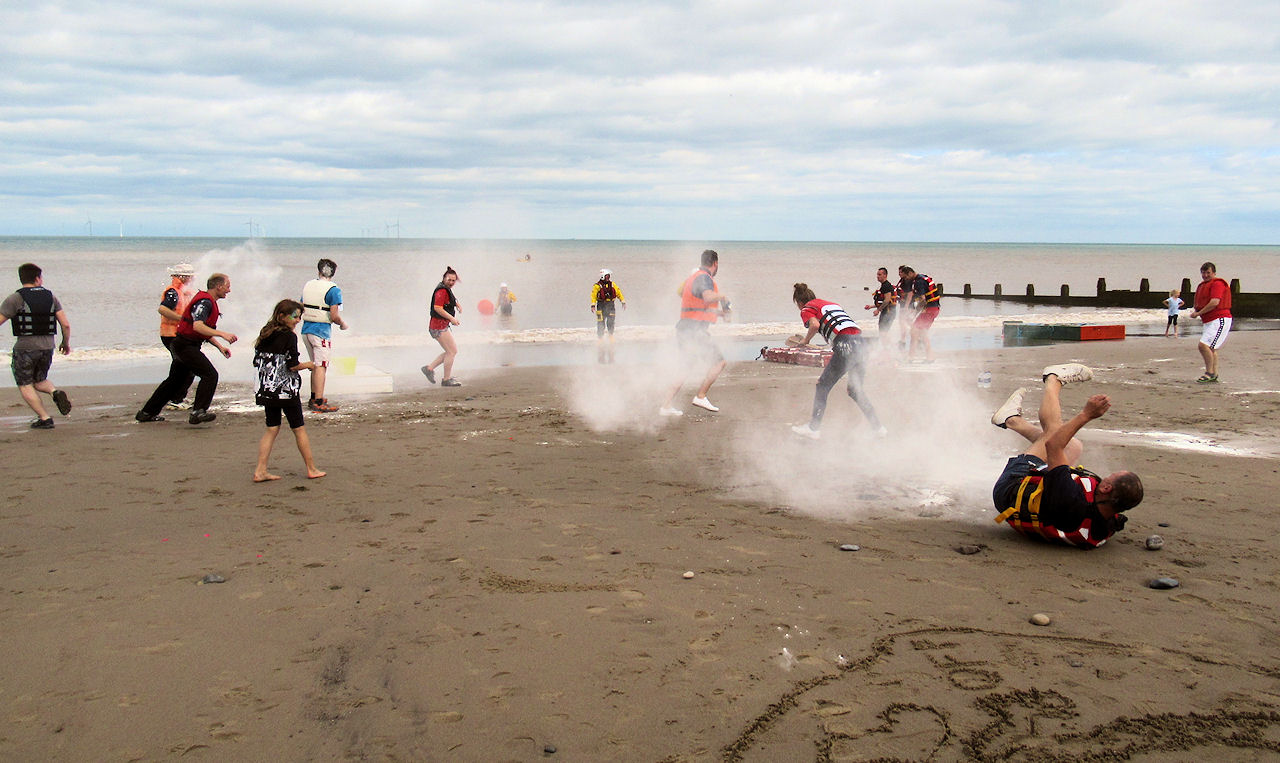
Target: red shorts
925, 319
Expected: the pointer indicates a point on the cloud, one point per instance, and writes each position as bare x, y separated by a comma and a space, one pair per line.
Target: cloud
966, 119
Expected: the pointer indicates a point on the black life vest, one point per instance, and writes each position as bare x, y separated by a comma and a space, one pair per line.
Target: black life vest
450, 307
37, 316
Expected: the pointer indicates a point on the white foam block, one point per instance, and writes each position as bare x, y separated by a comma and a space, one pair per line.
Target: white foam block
366, 380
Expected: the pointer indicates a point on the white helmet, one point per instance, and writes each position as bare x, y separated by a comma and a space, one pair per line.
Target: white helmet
605, 272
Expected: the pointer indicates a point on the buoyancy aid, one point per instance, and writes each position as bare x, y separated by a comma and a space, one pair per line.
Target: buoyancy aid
168, 326
314, 310
451, 303
932, 296
1024, 514
37, 316
832, 319
186, 326
882, 298
604, 291
692, 306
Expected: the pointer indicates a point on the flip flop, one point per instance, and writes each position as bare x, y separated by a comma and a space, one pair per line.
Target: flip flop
1206, 379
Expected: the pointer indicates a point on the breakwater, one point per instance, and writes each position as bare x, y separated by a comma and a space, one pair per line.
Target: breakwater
1243, 304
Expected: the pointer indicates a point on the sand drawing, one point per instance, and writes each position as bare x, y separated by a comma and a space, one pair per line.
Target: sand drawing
972, 694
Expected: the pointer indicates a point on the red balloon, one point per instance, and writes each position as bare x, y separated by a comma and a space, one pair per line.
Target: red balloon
484, 307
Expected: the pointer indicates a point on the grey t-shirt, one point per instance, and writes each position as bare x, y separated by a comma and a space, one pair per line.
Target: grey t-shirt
10, 307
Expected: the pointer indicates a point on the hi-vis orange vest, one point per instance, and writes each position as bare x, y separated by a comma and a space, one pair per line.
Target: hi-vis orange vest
168, 326
1024, 514
692, 306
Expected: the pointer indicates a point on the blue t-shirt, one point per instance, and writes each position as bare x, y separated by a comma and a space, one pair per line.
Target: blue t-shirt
324, 330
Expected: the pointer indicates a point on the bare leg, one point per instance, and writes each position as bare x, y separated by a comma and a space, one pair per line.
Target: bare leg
710, 378
1210, 357
304, 447
1050, 422
317, 382
450, 346
260, 473
33, 400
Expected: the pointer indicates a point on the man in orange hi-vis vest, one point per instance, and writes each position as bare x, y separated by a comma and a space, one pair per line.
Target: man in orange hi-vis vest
701, 303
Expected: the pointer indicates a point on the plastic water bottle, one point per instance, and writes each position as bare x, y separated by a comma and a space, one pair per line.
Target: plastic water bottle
984, 379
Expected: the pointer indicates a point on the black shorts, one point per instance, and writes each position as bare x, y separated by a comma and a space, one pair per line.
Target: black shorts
1005, 492
292, 410
30, 366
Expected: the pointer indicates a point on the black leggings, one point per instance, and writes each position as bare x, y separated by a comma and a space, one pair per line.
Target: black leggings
848, 355
292, 410
188, 361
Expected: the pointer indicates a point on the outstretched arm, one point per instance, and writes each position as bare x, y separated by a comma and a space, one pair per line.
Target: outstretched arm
1056, 444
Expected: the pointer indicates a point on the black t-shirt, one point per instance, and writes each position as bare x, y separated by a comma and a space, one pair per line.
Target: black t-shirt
274, 357
170, 299
883, 293
1064, 505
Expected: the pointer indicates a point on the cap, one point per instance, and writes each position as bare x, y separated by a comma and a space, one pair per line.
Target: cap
182, 269
605, 272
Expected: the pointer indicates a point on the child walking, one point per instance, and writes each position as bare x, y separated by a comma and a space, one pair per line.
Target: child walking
1174, 303
278, 386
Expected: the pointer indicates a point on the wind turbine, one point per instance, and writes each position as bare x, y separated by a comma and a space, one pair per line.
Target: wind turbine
396, 226
88, 223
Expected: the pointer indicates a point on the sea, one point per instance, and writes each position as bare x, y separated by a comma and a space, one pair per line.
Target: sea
110, 288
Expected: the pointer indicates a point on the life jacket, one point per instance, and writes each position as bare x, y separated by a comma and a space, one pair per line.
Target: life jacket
314, 310
450, 306
692, 306
879, 298
832, 319
186, 326
932, 297
37, 316
605, 291
1223, 308
1024, 514
168, 326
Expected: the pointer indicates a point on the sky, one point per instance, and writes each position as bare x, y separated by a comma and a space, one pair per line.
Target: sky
1143, 121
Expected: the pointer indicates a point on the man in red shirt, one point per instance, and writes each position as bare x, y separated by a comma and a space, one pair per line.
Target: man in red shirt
1213, 306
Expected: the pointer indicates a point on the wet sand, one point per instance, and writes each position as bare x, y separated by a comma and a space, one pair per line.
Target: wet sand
485, 576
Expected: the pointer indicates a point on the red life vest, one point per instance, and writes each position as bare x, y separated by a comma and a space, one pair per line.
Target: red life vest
1024, 514
186, 326
931, 296
1204, 294
692, 306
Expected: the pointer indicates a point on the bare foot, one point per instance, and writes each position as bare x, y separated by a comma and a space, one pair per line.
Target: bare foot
265, 477
315, 474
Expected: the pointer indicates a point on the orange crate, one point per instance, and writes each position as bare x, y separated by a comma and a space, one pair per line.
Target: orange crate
1088, 333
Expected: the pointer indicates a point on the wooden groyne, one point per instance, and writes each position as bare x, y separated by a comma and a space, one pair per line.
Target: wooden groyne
1243, 305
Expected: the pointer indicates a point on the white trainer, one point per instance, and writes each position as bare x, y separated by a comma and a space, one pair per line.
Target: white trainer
804, 430
1068, 373
881, 432
665, 411
702, 402
1012, 407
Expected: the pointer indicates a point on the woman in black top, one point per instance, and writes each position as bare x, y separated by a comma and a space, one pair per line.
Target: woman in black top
278, 386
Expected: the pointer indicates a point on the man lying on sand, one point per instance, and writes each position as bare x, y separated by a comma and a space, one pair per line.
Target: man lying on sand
1040, 494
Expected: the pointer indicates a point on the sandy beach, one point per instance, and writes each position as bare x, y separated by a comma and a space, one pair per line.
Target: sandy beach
498, 572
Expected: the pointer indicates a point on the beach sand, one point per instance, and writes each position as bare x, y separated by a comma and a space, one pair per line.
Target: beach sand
497, 572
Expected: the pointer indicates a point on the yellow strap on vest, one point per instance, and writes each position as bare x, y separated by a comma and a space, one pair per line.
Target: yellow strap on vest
1030, 502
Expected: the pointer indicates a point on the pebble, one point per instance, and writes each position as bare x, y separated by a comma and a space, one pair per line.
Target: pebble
966, 550
1154, 543
688, 575
1040, 618
850, 547
549, 749
1075, 663
1163, 584
1163, 524
213, 578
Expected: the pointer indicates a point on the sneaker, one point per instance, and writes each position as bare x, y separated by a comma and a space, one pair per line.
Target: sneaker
1207, 379
178, 405
702, 402
142, 417
199, 417
881, 432
42, 424
1012, 407
451, 382
665, 411
1068, 373
804, 430
321, 406
431, 375
63, 402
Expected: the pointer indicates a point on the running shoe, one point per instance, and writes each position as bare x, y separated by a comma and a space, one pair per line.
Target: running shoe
1068, 373
702, 402
451, 382
321, 406
63, 402
665, 411
881, 432
199, 417
1012, 407
804, 430
431, 375
142, 417
42, 424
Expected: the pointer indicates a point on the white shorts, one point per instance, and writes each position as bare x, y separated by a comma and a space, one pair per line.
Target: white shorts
318, 349
1215, 333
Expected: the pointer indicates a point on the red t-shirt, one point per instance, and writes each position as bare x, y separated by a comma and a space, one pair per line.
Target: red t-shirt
1206, 292
439, 299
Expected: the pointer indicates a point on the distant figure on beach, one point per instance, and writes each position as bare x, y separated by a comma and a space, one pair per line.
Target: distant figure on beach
199, 324
321, 308
884, 304
701, 303
173, 301
278, 386
1040, 494
848, 355
921, 293
604, 292
1174, 303
506, 297
444, 312
36, 316
526, 258
1213, 307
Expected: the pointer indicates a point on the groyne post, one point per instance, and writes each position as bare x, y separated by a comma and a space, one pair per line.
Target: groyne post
1102, 286
1144, 285
1031, 290
1065, 291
